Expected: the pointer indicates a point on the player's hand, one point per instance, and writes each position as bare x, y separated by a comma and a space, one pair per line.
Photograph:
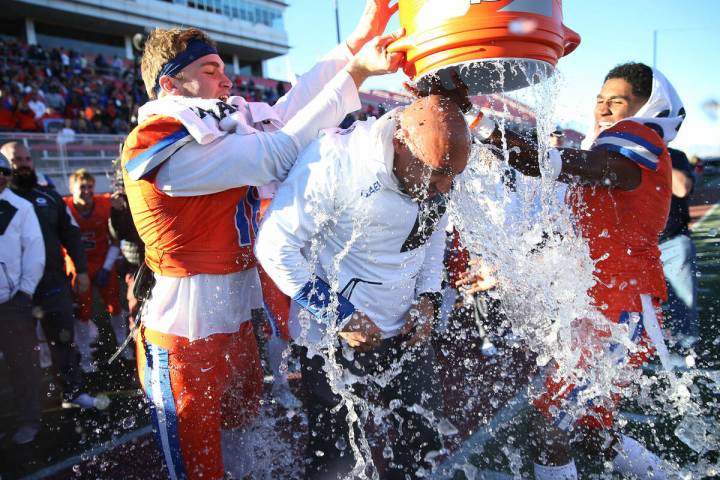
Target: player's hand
118, 201
361, 333
374, 58
374, 19
101, 278
458, 94
82, 282
419, 322
479, 278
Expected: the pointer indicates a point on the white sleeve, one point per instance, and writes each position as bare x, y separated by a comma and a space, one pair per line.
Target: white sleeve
33, 252
259, 157
312, 82
430, 276
303, 206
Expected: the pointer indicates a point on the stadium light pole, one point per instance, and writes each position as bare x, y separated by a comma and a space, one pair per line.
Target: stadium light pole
337, 20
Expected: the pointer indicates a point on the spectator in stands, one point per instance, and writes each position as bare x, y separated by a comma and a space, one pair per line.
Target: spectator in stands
52, 299
101, 65
25, 118
37, 104
74, 105
22, 258
677, 253
64, 59
118, 65
48, 118
7, 116
55, 98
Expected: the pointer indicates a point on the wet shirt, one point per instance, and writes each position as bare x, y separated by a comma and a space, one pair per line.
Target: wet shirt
622, 227
340, 222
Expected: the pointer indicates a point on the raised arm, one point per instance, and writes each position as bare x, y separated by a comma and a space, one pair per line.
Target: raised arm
372, 24
594, 167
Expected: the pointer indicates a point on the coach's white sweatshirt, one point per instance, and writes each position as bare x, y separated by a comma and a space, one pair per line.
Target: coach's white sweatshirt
343, 196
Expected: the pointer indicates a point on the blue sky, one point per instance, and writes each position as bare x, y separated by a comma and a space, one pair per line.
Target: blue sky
613, 31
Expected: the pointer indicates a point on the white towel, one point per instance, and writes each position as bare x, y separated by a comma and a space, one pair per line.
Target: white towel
201, 116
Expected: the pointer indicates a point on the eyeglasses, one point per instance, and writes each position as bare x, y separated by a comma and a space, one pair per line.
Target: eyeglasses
6, 172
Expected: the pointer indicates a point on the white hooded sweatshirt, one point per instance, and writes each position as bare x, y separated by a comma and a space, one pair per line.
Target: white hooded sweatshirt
375, 246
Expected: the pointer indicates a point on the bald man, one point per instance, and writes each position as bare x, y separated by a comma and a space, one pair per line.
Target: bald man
53, 296
356, 236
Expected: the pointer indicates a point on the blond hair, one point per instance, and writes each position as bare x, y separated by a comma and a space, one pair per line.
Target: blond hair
162, 45
81, 174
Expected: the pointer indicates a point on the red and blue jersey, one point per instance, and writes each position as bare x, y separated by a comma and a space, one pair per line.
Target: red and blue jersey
622, 227
212, 233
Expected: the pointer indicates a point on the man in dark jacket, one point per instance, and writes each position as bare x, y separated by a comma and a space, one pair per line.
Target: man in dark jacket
52, 301
677, 253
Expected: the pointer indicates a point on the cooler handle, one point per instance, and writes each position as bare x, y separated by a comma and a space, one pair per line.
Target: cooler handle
572, 40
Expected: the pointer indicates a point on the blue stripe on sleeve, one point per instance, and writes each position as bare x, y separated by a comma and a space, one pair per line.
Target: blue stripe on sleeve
626, 152
633, 138
139, 160
315, 296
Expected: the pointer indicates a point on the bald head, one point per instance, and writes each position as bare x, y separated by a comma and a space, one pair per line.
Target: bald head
432, 146
18, 155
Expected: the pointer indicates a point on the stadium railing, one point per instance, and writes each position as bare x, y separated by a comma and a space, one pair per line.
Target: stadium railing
58, 155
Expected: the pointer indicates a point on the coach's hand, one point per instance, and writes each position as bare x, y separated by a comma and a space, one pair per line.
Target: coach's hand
361, 333
101, 278
479, 278
419, 322
82, 282
374, 19
374, 58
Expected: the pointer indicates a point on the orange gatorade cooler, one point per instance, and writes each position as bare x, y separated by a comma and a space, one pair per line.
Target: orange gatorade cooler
493, 45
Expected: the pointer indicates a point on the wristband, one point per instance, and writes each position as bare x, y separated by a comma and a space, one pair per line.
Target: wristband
555, 163
481, 125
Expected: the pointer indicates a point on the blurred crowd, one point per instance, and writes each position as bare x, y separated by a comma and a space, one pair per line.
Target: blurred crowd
45, 90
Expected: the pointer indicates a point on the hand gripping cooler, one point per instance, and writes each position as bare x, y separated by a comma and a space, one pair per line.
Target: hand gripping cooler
493, 45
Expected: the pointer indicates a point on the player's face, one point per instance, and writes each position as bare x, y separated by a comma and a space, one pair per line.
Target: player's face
83, 192
204, 78
615, 102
